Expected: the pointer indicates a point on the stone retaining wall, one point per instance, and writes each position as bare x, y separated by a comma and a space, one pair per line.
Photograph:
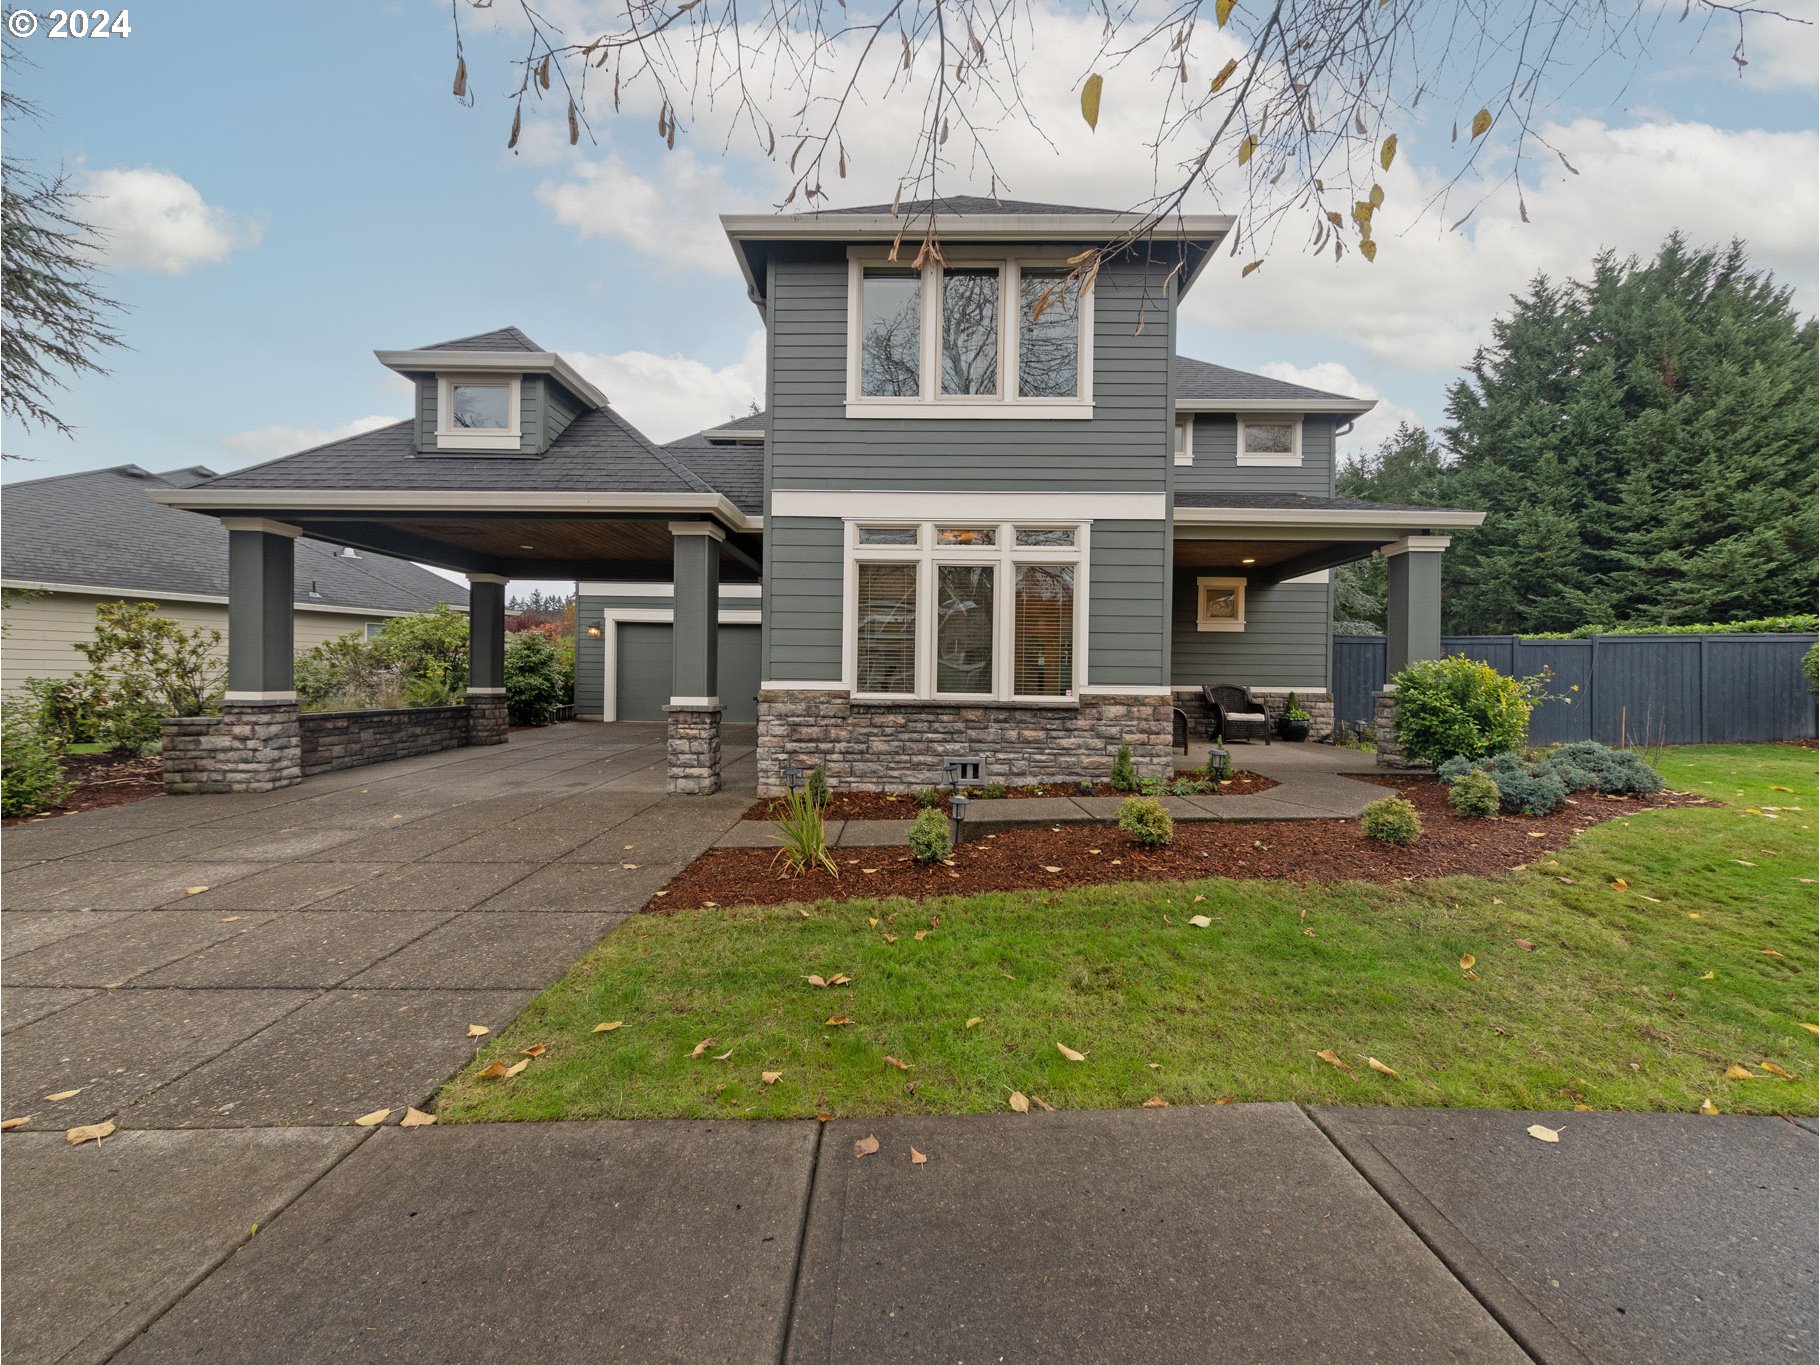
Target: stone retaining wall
249, 747
353, 739
900, 746
1318, 705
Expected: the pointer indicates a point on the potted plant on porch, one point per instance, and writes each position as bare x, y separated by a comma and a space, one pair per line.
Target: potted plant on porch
1293, 724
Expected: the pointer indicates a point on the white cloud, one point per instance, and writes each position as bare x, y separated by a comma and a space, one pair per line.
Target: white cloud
667, 396
673, 221
265, 443
1368, 431
156, 220
1431, 294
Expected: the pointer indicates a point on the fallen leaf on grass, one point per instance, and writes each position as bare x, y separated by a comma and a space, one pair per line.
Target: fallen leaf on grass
835, 1021
839, 979
1070, 1053
1332, 1059
1708, 1107
1734, 1072
1811, 1028
1467, 962
917, 1158
492, 1070
1042, 1104
1775, 1070
517, 1067
1378, 1066
478, 1030
64, 1094
378, 1116
1651, 899
1709, 976
1743, 862
1619, 884
889, 938
7, 1125
866, 1146
89, 1132
815, 981
1019, 1102
535, 1050
1526, 945
872, 921
770, 1077
901, 1066
920, 935
702, 1047
1541, 1134
1200, 921
1770, 952
975, 1020
725, 1055
416, 1118
1155, 1102
609, 1026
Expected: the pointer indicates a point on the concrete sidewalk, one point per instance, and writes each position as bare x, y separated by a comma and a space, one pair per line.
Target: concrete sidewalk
1255, 1232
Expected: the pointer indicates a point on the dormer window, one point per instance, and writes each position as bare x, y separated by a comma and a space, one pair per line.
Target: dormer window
477, 412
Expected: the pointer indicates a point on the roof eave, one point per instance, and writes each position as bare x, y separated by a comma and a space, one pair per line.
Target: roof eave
275, 501
488, 362
1355, 406
1331, 518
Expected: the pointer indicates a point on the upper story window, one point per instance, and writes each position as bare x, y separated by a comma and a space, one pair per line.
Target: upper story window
1270, 440
1184, 440
976, 336
477, 412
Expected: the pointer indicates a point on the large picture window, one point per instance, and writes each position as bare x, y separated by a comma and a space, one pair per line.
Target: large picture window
966, 611
980, 336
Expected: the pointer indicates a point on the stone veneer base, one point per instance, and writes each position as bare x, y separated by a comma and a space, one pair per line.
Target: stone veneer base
694, 750
333, 740
1384, 718
249, 747
900, 746
487, 720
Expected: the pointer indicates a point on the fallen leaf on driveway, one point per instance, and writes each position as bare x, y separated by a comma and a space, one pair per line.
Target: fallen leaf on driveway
478, 1030
770, 1077
227, 919
917, 1158
1155, 1102
702, 1047
1070, 1053
1018, 1102
378, 1116
1332, 1059
901, 1066
866, 1146
1200, 921
90, 1132
64, 1094
609, 1026
1734, 1072
1376, 1065
416, 1118
630, 867
7, 1125
194, 890
1541, 1134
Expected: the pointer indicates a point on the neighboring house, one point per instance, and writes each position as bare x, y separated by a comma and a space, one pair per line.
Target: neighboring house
74, 541
980, 516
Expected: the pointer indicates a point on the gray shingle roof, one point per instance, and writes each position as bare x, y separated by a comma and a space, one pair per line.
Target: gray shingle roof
752, 421
1298, 502
968, 204
499, 339
98, 528
1203, 381
736, 468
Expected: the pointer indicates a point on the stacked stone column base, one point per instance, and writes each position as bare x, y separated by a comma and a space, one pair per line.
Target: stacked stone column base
694, 750
1384, 714
487, 719
249, 747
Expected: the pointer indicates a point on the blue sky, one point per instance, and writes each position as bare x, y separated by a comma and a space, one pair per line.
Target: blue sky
288, 195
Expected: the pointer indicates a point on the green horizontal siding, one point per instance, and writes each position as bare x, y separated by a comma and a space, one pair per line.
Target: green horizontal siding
1216, 462
1285, 642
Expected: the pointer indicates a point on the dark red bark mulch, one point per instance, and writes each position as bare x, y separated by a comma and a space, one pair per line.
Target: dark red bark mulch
1066, 856
899, 806
103, 780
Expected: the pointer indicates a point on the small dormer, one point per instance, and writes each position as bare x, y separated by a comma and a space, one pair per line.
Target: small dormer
492, 395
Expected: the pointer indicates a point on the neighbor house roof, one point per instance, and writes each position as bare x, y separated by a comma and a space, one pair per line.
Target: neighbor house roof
1201, 385
98, 529
967, 204
499, 339
736, 468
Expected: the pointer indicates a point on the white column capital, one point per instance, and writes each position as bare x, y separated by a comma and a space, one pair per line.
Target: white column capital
1416, 545
262, 524
697, 528
500, 579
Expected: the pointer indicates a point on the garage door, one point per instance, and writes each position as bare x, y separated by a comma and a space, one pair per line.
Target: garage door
645, 669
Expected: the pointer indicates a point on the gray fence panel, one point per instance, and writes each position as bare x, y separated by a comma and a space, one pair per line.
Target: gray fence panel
1635, 689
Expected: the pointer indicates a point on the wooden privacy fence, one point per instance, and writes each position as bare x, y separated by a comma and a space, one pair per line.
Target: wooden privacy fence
1635, 689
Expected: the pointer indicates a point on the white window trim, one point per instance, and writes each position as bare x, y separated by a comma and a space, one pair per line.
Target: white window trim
1294, 457
930, 402
925, 554
1202, 621
451, 437
613, 617
1184, 423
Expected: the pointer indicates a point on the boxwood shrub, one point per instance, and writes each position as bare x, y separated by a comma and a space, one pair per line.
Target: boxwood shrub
1459, 707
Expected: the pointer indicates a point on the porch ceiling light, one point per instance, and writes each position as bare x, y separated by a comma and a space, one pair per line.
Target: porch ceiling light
1248, 560
527, 547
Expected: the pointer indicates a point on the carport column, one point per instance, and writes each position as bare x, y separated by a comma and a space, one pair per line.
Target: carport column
1412, 628
486, 658
694, 711
256, 743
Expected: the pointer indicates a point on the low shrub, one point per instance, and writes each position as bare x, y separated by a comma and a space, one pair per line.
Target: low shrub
1455, 768
1392, 821
1587, 765
1474, 794
1147, 821
804, 835
818, 787
1086, 786
1529, 789
66, 708
1810, 667
993, 791
1190, 786
347, 673
1124, 771
431, 689
929, 838
928, 798
1461, 707
533, 678
31, 762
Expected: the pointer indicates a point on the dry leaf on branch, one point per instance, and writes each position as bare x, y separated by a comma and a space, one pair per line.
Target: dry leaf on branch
1070, 1053
378, 1116
1541, 1134
866, 1146
1378, 1066
89, 1132
702, 1047
1019, 1102
609, 1026
416, 1118
917, 1158
1332, 1059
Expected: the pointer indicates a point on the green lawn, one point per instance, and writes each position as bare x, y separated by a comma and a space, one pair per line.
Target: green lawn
1633, 997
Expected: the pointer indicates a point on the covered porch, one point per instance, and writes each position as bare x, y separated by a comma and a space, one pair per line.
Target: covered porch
262, 741
1252, 596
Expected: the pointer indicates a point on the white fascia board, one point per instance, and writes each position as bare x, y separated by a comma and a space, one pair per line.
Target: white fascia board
735, 438
1355, 406
554, 504
211, 599
961, 508
515, 362
1395, 523
1052, 227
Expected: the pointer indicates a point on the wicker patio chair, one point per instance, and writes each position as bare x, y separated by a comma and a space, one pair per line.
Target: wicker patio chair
1236, 714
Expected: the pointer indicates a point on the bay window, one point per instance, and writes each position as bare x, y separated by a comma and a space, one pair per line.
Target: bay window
976, 335
966, 612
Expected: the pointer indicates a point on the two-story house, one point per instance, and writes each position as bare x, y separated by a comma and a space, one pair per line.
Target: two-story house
988, 511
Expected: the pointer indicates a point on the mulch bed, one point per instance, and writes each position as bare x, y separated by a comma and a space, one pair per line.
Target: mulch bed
1089, 855
103, 780
899, 806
